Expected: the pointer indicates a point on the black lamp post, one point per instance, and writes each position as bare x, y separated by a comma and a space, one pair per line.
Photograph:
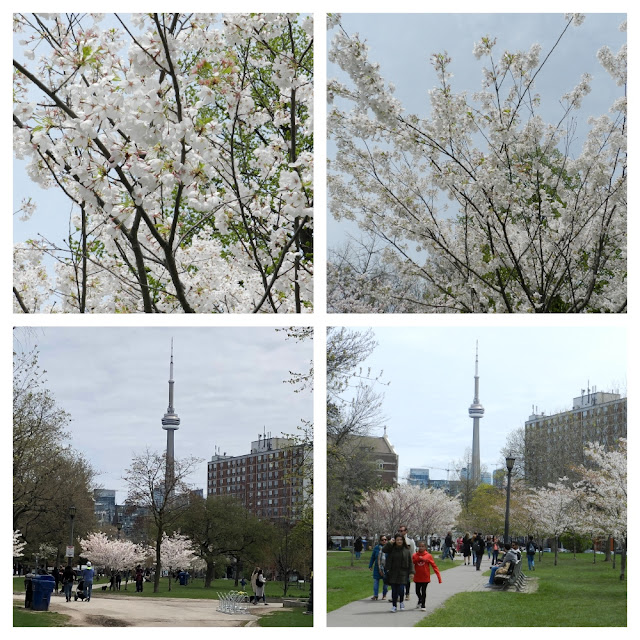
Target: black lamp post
72, 515
510, 462
119, 528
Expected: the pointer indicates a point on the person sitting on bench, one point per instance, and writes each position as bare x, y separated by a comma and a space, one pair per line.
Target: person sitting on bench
510, 556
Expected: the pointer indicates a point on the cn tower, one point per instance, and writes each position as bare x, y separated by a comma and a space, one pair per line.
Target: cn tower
476, 411
170, 422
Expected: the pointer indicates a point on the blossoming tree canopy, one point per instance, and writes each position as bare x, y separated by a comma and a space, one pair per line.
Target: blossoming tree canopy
184, 143
510, 217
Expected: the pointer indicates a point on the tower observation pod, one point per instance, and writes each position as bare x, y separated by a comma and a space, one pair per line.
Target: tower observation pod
476, 411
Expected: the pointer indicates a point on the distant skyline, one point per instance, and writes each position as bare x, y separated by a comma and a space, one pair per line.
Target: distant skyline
430, 371
229, 388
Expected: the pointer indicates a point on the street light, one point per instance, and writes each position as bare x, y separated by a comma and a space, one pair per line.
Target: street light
72, 515
119, 528
510, 462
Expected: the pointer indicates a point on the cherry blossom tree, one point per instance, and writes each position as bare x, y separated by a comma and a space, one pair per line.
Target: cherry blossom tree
424, 511
184, 145
603, 490
554, 509
112, 554
509, 217
176, 551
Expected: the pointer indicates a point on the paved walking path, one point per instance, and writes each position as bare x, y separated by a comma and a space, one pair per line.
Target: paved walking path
377, 613
114, 611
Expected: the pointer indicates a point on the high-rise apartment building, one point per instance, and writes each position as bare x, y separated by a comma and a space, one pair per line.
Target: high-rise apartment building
269, 481
555, 443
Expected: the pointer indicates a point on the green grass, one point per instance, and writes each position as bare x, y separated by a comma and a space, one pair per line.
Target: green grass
346, 584
195, 589
26, 618
294, 618
575, 593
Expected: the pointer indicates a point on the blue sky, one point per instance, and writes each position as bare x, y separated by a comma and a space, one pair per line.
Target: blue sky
430, 371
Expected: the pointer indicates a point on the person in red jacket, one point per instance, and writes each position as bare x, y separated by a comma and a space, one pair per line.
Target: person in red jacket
422, 577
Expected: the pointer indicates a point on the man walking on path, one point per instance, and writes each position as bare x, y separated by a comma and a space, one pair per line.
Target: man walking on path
531, 553
448, 541
87, 576
479, 549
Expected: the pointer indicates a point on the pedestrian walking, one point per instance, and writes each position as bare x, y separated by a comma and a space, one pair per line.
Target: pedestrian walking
531, 553
422, 560
376, 564
448, 541
87, 575
466, 548
259, 590
68, 577
139, 579
56, 576
399, 568
357, 547
479, 550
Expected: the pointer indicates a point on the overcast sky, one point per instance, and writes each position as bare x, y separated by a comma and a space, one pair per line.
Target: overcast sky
228, 387
430, 372
402, 43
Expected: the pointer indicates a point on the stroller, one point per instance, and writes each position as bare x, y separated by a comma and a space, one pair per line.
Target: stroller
80, 591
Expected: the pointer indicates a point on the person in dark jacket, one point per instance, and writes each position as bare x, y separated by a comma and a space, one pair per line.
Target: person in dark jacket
399, 569
67, 581
531, 553
376, 563
357, 547
479, 548
466, 549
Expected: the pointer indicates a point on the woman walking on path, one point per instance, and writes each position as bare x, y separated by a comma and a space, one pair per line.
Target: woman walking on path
377, 564
257, 584
399, 569
466, 548
422, 559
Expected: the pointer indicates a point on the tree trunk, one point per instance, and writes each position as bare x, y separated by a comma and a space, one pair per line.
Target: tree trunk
156, 578
593, 544
208, 576
169, 578
623, 559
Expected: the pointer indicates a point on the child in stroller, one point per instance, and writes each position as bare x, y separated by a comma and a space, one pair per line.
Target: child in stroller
80, 591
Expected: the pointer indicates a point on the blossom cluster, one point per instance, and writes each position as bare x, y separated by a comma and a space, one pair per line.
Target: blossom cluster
184, 143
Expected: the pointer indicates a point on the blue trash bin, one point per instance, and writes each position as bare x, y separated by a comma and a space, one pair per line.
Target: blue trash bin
183, 578
42, 589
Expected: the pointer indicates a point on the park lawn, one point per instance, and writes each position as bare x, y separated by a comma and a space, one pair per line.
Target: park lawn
575, 593
287, 618
26, 618
195, 589
346, 583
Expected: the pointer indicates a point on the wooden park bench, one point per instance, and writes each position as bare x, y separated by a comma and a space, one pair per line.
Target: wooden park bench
513, 577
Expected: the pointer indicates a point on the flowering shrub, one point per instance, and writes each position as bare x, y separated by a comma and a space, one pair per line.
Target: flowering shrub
509, 220
184, 142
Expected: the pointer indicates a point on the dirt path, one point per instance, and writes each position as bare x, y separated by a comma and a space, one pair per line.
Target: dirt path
123, 611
